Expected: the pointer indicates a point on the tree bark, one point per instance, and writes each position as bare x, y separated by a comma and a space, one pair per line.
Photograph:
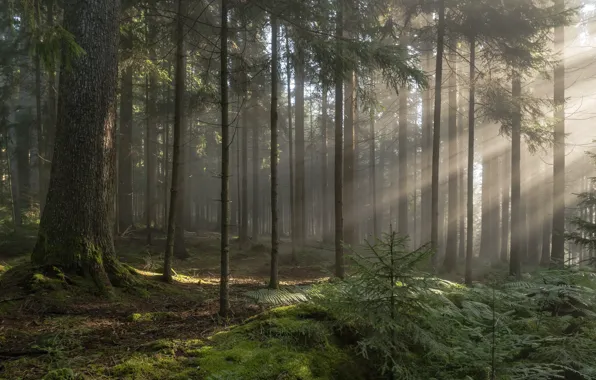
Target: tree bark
437, 134
244, 166
470, 191
427, 146
125, 188
291, 154
505, 185
453, 208
151, 138
255, 183
274, 279
173, 218
338, 182
224, 286
180, 251
516, 249
403, 150
300, 201
74, 232
558, 199
324, 169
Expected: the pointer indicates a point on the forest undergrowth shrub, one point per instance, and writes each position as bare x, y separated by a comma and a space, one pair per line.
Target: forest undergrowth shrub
415, 326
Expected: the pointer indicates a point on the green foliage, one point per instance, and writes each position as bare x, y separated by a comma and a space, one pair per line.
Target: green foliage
584, 230
420, 327
278, 297
61, 374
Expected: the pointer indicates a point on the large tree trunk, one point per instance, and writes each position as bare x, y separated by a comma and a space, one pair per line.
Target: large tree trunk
274, 279
244, 164
224, 296
173, 218
437, 135
74, 232
338, 181
558, 199
453, 208
125, 188
516, 249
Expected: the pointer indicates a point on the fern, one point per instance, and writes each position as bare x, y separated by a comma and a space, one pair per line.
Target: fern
278, 297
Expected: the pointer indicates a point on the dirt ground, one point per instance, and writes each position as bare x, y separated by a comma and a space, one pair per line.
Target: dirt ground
94, 336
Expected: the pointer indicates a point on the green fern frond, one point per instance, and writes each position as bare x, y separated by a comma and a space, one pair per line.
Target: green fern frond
278, 297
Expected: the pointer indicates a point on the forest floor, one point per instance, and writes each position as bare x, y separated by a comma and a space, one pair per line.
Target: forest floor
79, 335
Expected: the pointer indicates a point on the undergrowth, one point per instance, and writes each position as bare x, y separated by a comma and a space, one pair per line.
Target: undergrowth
411, 325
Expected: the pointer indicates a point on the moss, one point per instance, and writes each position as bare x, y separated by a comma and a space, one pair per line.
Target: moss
62, 374
158, 367
154, 317
283, 343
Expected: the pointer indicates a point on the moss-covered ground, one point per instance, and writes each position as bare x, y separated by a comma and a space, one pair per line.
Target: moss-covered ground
53, 327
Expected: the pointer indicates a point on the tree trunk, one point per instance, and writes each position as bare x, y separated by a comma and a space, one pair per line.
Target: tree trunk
74, 232
244, 164
338, 182
291, 154
516, 249
125, 188
546, 217
274, 280
179, 89
373, 180
403, 143
349, 182
437, 134
453, 208
558, 199
427, 146
505, 183
151, 138
255, 183
49, 127
224, 286
324, 169
180, 251
470, 191
300, 201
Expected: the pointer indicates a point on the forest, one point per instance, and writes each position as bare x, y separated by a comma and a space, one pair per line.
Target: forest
298, 190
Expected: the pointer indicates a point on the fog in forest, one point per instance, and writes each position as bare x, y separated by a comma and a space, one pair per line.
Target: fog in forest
285, 143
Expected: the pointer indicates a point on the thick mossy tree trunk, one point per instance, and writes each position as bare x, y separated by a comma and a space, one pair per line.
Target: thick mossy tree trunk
75, 232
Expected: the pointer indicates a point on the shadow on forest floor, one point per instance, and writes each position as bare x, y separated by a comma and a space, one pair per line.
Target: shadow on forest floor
44, 326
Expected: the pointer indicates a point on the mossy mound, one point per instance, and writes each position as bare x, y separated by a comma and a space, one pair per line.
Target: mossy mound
291, 343
294, 342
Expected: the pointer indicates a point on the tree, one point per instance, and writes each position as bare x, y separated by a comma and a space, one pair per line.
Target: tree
437, 133
74, 232
453, 211
470, 190
516, 249
274, 280
558, 199
180, 85
338, 181
224, 301
125, 151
